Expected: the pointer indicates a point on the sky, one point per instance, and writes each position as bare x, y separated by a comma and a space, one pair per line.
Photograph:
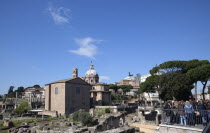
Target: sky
41, 41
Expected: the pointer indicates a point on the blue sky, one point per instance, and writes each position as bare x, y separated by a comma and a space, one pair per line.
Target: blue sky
41, 41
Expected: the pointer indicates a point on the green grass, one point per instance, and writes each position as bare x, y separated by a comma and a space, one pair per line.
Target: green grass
4, 131
1, 123
77, 122
19, 122
27, 120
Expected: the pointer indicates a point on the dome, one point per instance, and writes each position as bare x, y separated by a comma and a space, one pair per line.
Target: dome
91, 72
129, 78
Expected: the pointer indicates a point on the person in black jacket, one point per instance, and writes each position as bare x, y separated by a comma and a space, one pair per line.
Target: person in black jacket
202, 111
167, 109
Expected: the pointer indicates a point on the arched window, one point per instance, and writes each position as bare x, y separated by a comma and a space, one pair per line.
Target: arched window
56, 90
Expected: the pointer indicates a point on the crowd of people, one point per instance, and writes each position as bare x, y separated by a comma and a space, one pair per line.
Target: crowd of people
188, 113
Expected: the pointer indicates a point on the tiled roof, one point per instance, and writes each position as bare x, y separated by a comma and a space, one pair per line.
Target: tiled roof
77, 80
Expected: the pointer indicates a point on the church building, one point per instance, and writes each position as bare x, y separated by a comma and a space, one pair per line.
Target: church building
100, 94
66, 96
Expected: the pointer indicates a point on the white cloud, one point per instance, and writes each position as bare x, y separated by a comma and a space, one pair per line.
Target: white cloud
87, 47
60, 15
35, 68
102, 78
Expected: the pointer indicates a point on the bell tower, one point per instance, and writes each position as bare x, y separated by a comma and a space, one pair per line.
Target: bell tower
74, 72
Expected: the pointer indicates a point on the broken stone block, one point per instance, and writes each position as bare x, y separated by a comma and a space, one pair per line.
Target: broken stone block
8, 123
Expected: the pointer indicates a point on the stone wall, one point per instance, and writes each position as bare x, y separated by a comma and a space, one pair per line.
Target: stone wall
178, 129
55, 102
76, 101
107, 97
101, 109
49, 113
125, 129
110, 123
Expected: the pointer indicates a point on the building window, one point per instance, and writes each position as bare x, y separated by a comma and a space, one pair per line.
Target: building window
56, 90
77, 90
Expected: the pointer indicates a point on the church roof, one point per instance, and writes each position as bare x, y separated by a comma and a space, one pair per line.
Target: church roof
76, 80
91, 71
129, 78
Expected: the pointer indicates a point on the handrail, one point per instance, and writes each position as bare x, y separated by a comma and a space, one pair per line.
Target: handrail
185, 117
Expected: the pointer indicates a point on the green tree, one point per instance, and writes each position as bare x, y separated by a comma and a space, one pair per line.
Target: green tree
181, 86
151, 84
20, 90
23, 107
113, 86
83, 117
126, 88
11, 93
36, 86
176, 82
202, 74
11, 89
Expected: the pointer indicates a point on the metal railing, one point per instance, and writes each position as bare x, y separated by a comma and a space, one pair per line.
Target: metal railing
185, 117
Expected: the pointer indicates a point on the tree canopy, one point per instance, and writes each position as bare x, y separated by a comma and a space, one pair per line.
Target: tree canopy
126, 88
151, 85
12, 92
114, 87
11, 89
177, 79
23, 107
202, 74
36, 86
83, 117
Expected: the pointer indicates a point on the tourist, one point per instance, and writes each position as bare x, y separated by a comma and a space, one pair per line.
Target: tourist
168, 111
181, 113
202, 111
175, 114
189, 111
208, 111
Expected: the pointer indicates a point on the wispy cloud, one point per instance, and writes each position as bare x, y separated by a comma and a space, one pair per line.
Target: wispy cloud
102, 78
35, 68
60, 15
87, 47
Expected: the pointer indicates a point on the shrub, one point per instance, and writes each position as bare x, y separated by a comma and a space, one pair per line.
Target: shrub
76, 116
83, 117
22, 108
107, 110
104, 103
